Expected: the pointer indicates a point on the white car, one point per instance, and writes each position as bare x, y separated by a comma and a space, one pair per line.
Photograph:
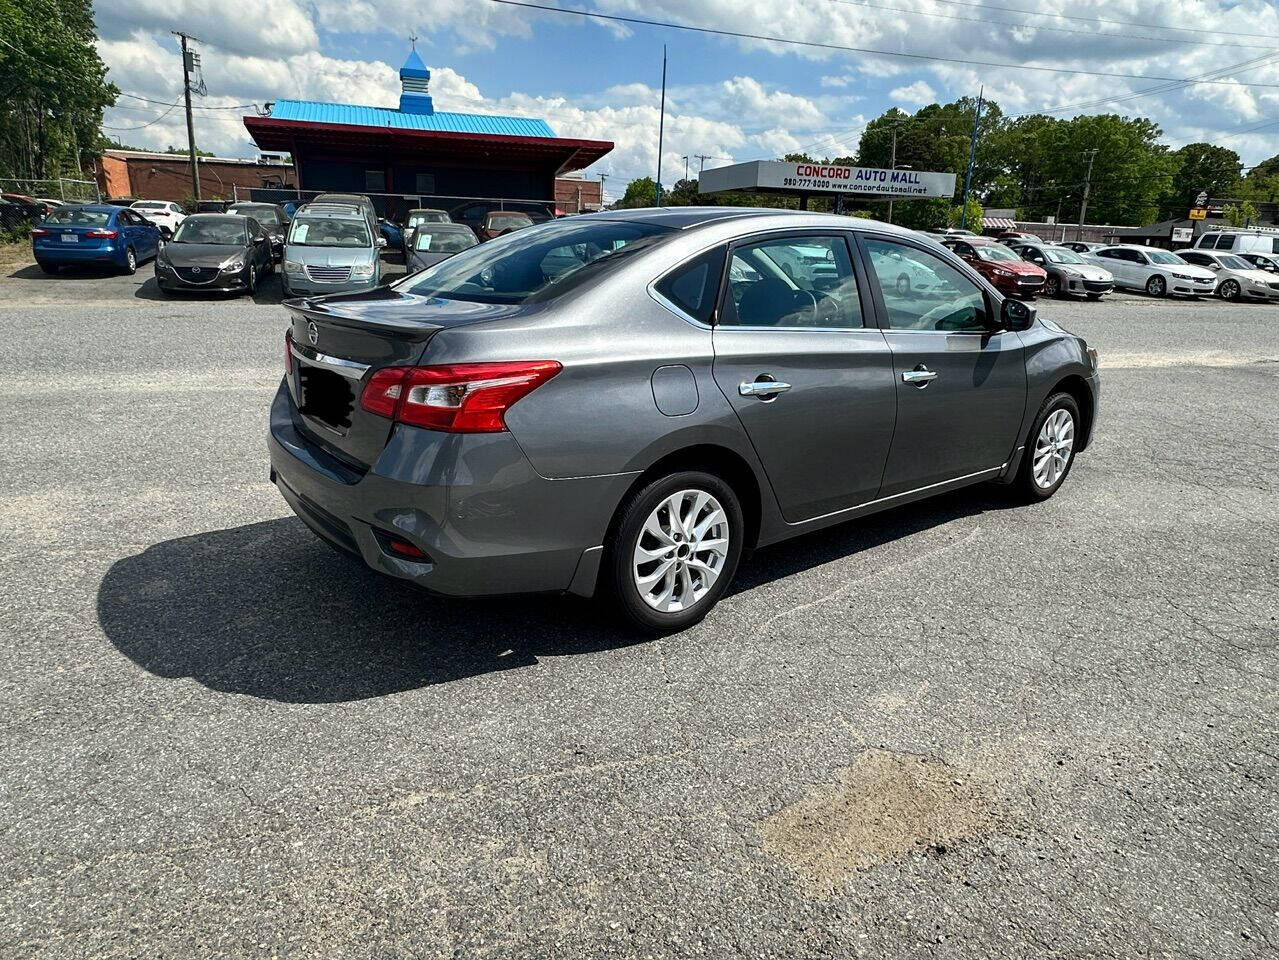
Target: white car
163, 213
1236, 277
1158, 272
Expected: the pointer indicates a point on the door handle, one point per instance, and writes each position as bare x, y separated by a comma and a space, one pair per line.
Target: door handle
921, 376
764, 389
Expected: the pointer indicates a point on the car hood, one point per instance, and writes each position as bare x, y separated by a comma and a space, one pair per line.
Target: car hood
200, 254
1020, 267
419, 261
1187, 270
329, 256
1088, 271
1254, 276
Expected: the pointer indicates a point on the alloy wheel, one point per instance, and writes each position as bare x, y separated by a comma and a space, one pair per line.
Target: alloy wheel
681, 550
1053, 448
132, 260
1050, 287
1157, 286
1229, 290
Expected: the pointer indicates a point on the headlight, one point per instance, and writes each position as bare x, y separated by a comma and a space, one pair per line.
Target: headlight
232, 265
362, 270
1070, 272
293, 266
1003, 273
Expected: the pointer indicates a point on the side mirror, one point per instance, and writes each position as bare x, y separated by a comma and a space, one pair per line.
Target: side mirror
1016, 315
1214, 266
260, 239
381, 241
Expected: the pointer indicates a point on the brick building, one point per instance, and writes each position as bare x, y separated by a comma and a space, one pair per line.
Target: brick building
167, 176
578, 195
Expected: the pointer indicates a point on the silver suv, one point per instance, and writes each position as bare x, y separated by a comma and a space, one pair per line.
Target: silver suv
330, 249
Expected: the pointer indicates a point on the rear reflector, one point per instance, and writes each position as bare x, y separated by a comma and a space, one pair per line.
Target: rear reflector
456, 398
404, 548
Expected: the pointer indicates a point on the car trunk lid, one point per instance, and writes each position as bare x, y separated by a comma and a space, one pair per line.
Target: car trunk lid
341, 341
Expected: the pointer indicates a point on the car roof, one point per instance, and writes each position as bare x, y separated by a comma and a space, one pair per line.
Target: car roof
354, 199
217, 216
314, 209
445, 227
95, 207
427, 210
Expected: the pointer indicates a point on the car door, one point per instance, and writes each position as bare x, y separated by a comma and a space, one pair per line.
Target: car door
810, 379
961, 386
1113, 260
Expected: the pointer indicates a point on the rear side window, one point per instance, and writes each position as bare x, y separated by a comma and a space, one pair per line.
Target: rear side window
1225, 241
536, 263
692, 287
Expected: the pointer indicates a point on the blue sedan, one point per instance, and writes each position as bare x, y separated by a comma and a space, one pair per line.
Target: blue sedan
94, 233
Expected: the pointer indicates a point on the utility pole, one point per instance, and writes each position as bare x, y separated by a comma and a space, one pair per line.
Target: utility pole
703, 157
892, 165
661, 128
685, 159
972, 158
603, 177
1083, 206
187, 63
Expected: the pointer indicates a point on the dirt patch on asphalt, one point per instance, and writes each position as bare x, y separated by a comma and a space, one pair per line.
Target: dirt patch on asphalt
884, 806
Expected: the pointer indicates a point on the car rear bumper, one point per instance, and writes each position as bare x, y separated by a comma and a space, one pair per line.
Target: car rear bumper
487, 522
76, 253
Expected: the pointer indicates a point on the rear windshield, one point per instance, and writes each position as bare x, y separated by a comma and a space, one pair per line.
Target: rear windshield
537, 263
443, 241
328, 232
427, 216
152, 205
76, 217
210, 231
507, 221
263, 215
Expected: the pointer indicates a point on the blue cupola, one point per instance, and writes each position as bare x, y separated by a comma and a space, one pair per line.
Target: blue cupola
415, 84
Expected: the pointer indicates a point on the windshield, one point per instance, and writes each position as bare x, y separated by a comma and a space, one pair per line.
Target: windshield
426, 216
77, 217
263, 215
443, 241
228, 232
537, 263
508, 221
1163, 256
1234, 263
995, 251
328, 232
1062, 255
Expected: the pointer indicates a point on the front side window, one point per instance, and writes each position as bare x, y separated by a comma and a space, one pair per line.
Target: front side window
1062, 255
536, 264
224, 232
947, 301
329, 232
792, 282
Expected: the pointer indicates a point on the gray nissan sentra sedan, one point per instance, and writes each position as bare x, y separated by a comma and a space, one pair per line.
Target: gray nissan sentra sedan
625, 402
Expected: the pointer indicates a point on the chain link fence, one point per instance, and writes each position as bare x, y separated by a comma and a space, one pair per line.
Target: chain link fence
396, 206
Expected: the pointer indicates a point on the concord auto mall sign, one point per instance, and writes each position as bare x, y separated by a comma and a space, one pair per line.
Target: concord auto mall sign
806, 177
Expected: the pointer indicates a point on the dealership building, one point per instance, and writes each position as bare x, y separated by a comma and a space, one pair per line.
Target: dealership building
417, 153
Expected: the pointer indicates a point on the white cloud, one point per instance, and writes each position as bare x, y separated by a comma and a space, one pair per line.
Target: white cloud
918, 93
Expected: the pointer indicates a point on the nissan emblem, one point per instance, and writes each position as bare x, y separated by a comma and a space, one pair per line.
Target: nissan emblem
312, 332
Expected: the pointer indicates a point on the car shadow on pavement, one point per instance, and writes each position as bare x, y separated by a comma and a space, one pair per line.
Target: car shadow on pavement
269, 292
267, 610
87, 271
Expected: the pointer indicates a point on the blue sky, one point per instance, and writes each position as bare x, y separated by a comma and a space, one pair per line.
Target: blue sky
731, 99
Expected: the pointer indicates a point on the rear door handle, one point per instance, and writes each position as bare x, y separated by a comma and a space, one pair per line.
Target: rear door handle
762, 388
920, 376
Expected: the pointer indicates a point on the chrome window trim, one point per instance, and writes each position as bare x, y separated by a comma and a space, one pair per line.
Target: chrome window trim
347, 368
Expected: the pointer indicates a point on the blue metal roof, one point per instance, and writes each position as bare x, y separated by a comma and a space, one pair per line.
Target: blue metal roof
311, 111
414, 67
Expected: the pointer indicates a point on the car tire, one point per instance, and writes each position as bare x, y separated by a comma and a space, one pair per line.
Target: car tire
650, 521
1229, 290
1157, 286
1052, 287
50, 268
130, 262
252, 282
1043, 470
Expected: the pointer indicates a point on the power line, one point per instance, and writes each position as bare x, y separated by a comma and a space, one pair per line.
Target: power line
166, 103
1082, 19
814, 44
1038, 26
172, 107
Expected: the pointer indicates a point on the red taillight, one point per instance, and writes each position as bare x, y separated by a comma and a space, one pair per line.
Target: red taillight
288, 351
40, 232
457, 398
108, 234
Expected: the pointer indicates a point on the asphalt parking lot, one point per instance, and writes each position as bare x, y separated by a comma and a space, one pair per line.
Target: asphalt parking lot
961, 729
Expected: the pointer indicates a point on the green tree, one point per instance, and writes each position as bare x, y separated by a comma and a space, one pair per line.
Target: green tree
955, 215
639, 193
53, 88
683, 194
1199, 166
1240, 214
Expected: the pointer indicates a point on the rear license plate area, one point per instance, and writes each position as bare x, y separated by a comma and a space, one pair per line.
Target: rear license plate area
326, 396
70, 238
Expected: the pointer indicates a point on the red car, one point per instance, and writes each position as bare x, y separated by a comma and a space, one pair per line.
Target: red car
1001, 266
498, 222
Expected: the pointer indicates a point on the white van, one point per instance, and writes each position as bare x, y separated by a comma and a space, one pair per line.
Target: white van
1239, 241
